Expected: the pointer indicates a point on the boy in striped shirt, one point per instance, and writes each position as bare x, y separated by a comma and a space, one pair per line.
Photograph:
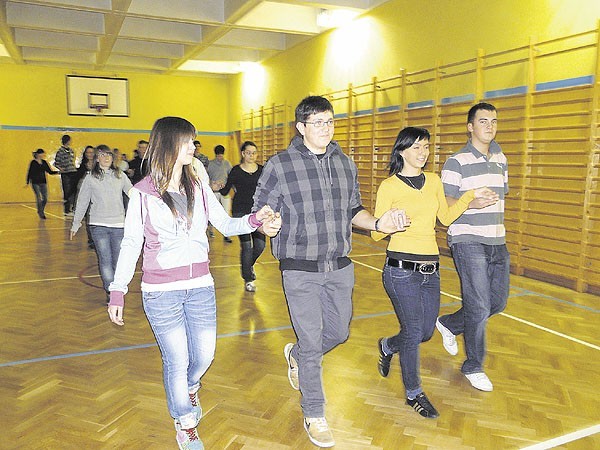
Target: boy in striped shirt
477, 241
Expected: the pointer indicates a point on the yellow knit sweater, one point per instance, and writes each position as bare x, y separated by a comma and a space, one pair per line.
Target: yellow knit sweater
422, 207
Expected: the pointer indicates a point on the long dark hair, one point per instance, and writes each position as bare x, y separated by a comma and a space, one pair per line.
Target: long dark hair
168, 136
97, 171
406, 138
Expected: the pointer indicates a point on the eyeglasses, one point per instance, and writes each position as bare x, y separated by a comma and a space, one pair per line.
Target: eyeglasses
321, 123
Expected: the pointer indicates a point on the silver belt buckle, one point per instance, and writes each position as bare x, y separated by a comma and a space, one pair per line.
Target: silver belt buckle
427, 269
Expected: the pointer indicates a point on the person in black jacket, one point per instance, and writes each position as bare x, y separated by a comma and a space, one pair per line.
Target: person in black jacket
36, 175
244, 178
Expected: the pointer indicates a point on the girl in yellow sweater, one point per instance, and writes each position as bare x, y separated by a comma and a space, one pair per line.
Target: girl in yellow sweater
411, 273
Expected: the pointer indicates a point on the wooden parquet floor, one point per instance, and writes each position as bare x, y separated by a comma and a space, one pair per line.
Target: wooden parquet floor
69, 379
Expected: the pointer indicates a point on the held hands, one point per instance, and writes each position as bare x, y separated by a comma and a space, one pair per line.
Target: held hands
115, 313
272, 226
393, 220
271, 221
217, 185
484, 197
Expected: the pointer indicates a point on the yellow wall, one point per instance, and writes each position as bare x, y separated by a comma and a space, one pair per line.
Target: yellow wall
417, 35
33, 114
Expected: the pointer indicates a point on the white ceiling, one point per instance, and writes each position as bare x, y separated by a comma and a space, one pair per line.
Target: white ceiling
160, 36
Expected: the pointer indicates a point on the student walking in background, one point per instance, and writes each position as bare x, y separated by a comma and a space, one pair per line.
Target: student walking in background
168, 214
85, 167
218, 170
64, 161
411, 274
36, 175
243, 178
101, 190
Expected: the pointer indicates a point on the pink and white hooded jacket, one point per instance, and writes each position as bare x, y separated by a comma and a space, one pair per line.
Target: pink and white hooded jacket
175, 252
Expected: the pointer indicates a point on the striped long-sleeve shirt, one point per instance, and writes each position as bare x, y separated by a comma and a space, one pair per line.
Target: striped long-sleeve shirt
470, 169
65, 160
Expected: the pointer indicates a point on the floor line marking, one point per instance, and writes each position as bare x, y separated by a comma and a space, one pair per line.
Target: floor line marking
46, 213
523, 321
570, 437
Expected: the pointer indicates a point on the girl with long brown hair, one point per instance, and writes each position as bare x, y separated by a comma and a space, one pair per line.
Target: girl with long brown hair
168, 215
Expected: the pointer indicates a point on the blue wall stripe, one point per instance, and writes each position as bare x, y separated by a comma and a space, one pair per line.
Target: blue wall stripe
422, 104
569, 82
458, 99
363, 112
389, 108
506, 92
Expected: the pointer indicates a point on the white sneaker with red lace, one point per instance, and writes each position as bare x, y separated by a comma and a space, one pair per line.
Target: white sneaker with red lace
187, 439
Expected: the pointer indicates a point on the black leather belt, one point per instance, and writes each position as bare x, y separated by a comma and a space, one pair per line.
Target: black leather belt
426, 268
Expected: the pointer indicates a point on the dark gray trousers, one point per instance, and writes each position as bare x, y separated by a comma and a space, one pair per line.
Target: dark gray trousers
320, 307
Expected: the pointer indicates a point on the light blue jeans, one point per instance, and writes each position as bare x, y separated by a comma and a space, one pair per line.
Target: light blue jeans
185, 326
107, 241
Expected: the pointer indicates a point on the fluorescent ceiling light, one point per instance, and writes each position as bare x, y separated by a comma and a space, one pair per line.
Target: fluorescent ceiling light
213, 66
333, 18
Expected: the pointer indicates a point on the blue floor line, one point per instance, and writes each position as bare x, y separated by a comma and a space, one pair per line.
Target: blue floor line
142, 346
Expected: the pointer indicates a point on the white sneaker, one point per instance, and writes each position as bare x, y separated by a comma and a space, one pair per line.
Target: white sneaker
480, 380
448, 339
250, 286
292, 366
318, 431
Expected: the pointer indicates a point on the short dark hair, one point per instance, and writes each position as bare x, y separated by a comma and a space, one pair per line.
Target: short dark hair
405, 139
473, 111
39, 151
219, 150
197, 143
65, 139
312, 104
142, 142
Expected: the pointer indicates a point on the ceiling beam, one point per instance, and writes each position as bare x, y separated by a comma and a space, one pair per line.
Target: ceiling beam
113, 22
234, 11
7, 36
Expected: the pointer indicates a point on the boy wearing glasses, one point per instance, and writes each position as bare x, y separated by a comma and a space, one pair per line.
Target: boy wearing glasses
314, 186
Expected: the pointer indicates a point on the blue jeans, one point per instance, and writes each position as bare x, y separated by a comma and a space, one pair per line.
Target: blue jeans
184, 323
252, 247
416, 300
41, 196
320, 306
107, 241
484, 272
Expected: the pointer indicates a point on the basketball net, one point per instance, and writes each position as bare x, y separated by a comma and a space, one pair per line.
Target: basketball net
100, 110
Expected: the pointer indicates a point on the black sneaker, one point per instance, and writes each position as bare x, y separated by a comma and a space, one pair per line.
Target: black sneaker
423, 406
383, 365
